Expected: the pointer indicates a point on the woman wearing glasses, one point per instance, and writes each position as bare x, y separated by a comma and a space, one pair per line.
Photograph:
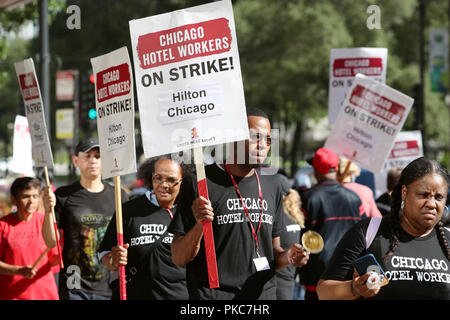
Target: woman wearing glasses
151, 274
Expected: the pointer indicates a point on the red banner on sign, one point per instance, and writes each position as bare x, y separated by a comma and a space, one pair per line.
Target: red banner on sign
405, 149
183, 43
113, 82
29, 87
349, 67
377, 105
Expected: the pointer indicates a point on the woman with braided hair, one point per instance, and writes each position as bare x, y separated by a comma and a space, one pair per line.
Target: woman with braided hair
411, 244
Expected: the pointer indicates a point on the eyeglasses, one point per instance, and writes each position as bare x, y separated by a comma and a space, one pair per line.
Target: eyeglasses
259, 137
171, 182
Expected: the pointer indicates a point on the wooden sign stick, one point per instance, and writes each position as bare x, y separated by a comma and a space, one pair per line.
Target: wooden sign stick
55, 227
347, 167
208, 235
119, 227
41, 257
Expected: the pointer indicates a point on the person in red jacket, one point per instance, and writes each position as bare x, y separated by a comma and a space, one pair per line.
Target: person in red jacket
24, 236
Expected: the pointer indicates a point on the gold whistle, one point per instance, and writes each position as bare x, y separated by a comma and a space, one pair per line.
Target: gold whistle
312, 241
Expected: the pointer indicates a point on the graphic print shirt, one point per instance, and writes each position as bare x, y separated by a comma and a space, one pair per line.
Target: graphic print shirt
84, 217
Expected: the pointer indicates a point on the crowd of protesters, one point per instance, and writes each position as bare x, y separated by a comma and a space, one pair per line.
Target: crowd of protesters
257, 221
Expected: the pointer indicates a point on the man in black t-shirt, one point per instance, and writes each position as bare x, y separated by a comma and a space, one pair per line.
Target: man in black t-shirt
83, 211
246, 224
330, 209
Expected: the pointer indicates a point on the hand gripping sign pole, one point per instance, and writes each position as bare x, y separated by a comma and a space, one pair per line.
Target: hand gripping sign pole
347, 167
208, 236
55, 226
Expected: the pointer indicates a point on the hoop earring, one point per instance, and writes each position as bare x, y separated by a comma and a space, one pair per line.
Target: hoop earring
402, 205
445, 213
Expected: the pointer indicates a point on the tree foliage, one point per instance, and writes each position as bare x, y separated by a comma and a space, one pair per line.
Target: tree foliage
285, 51
13, 49
284, 48
10, 98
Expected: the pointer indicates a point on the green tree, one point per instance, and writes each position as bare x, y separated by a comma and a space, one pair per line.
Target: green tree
15, 50
284, 48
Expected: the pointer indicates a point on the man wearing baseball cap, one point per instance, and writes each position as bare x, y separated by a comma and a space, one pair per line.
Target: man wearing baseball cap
330, 209
83, 210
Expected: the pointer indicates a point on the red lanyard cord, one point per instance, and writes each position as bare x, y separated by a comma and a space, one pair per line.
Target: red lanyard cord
255, 234
170, 213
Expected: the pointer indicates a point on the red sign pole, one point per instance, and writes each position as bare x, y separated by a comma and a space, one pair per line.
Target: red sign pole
208, 235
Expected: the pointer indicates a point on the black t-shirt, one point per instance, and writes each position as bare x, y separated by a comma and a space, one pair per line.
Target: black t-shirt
157, 278
286, 276
330, 209
234, 243
418, 268
84, 216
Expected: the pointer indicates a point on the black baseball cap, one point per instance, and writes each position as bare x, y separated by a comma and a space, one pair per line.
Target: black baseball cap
86, 145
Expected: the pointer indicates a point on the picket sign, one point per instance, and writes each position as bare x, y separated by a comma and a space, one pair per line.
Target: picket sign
407, 146
114, 101
370, 119
345, 63
189, 87
34, 109
22, 161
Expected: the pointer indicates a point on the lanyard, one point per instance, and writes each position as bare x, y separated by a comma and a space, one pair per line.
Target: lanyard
255, 234
170, 212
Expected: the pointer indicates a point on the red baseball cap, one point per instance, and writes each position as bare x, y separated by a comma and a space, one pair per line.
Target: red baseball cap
325, 159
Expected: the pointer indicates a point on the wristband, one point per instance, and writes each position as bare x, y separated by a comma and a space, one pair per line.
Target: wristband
111, 263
